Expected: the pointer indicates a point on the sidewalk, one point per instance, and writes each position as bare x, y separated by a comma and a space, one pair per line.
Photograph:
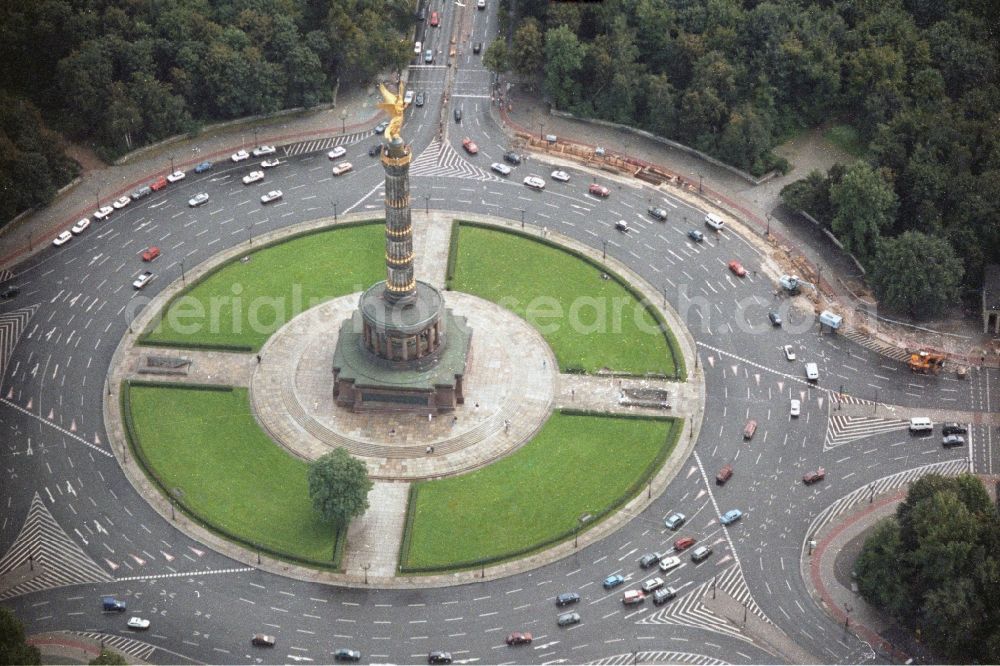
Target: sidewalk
355, 111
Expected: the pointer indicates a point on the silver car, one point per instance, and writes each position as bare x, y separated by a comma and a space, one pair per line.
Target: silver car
567, 619
198, 199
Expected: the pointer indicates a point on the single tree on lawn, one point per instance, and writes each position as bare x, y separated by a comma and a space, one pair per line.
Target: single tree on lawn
339, 486
13, 648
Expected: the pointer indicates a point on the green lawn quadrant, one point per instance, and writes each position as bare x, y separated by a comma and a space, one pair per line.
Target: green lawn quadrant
230, 474
577, 464
277, 283
599, 326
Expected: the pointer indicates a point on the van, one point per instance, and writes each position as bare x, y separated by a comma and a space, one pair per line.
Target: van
715, 221
921, 424
812, 372
143, 191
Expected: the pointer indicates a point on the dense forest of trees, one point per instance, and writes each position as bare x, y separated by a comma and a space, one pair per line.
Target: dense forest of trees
125, 73
935, 568
916, 79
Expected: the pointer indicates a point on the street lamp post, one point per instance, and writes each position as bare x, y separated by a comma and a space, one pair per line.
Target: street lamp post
522, 218
366, 568
427, 204
871, 496
334, 211
171, 164
250, 232
700, 183
767, 232
875, 404
580, 522
31, 245
343, 121
604, 252
255, 136
183, 280
541, 126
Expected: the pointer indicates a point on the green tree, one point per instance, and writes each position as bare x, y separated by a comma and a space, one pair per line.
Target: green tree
13, 647
917, 274
339, 486
865, 205
108, 658
881, 570
528, 54
496, 58
564, 56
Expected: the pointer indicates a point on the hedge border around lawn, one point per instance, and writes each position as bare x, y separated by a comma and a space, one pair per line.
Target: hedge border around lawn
677, 426
135, 445
143, 338
680, 369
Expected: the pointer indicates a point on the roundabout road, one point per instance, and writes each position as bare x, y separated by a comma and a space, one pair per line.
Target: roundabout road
66, 501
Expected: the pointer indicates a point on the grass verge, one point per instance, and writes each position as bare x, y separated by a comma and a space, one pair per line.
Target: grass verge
590, 323
242, 303
846, 139
577, 464
204, 448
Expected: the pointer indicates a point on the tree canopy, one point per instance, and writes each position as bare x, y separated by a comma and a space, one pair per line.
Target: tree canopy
935, 568
339, 486
13, 647
121, 74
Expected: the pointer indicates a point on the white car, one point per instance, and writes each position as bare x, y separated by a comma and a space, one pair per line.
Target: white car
812, 372
270, 196
240, 155
253, 177
408, 97
789, 352
176, 176
121, 202
81, 226
62, 238
103, 212
795, 408
339, 151
260, 151
652, 584
561, 176
342, 168
668, 563
138, 623
418, 47
534, 182
267, 164
481, 4
198, 199
501, 168
143, 280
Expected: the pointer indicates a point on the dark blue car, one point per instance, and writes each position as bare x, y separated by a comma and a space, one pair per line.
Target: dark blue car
203, 167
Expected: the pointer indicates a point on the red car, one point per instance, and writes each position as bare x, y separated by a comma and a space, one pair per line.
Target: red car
684, 543
151, 253
813, 477
519, 638
737, 268
158, 184
599, 190
724, 475
435, 20
470, 146
749, 429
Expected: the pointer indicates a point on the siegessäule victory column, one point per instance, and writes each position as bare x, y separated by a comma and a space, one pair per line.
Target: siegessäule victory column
402, 350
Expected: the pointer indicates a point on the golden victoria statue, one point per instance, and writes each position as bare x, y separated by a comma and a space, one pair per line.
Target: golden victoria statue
394, 106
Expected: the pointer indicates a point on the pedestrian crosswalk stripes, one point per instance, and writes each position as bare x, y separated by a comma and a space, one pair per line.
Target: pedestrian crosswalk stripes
5, 275
316, 145
12, 324
52, 559
886, 484
440, 159
844, 429
186, 574
133, 648
657, 657
687, 610
874, 345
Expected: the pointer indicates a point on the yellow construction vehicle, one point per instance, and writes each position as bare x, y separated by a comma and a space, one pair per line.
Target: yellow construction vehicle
926, 362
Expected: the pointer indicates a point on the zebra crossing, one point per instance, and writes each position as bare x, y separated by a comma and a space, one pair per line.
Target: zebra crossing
133, 648
687, 610
12, 324
56, 559
440, 159
316, 145
879, 486
5, 275
658, 657
874, 345
842, 430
